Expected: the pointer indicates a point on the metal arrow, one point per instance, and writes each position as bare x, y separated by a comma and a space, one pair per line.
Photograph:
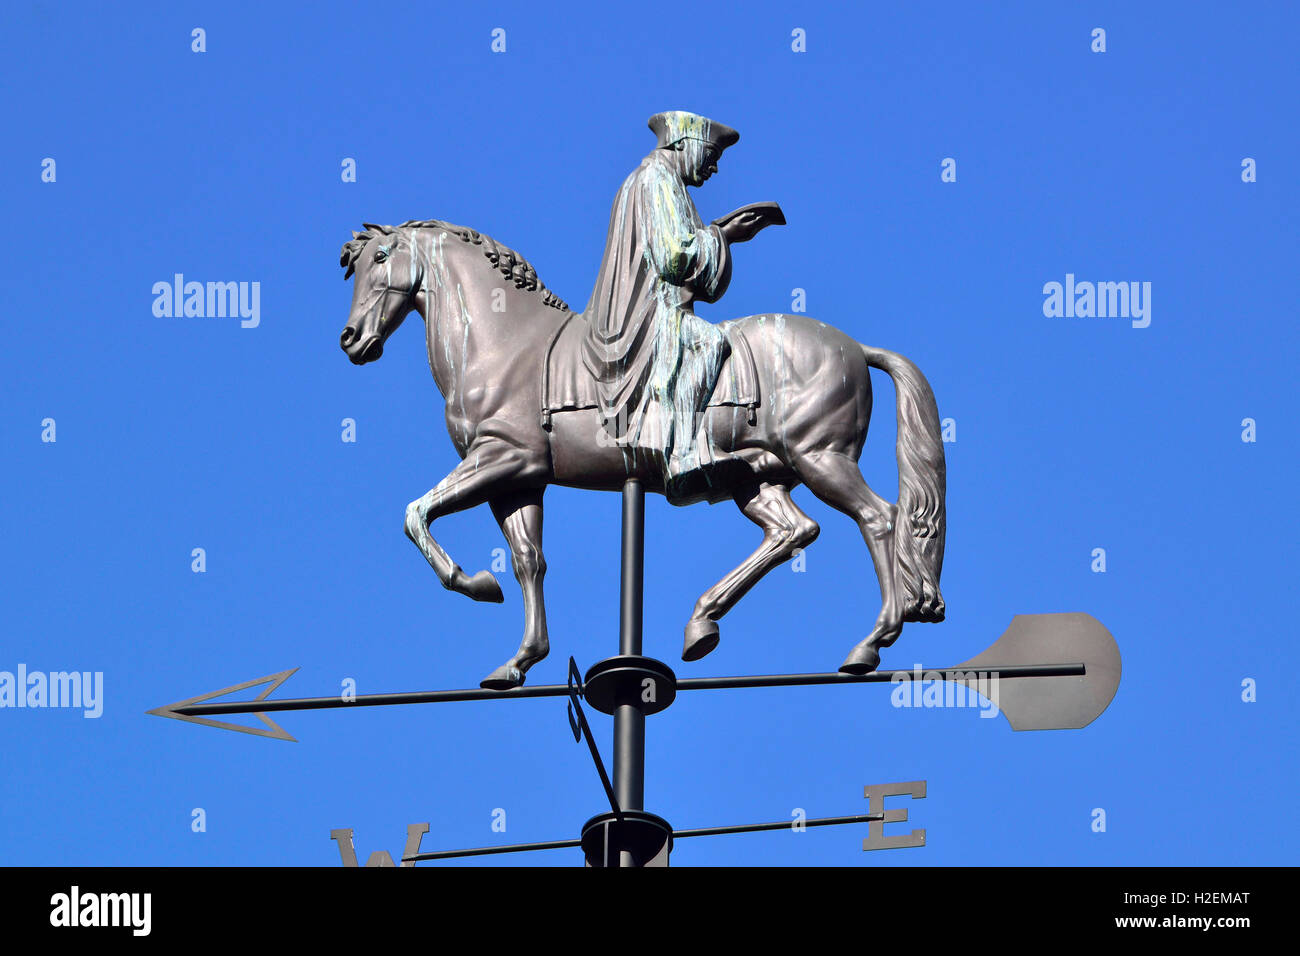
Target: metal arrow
1060, 671
192, 708
195, 711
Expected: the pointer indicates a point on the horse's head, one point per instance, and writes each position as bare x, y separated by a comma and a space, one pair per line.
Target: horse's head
388, 276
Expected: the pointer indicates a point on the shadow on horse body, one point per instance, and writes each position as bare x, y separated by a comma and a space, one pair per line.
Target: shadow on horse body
488, 321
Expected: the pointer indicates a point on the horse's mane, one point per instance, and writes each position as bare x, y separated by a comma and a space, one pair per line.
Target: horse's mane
508, 262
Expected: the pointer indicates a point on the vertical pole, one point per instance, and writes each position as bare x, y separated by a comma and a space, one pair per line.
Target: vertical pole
629, 629
629, 721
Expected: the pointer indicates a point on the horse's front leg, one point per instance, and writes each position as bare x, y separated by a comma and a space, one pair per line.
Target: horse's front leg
520, 516
490, 468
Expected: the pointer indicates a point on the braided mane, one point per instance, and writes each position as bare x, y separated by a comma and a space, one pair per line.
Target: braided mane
506, 261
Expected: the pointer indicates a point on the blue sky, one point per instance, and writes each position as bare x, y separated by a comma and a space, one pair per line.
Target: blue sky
1071, 434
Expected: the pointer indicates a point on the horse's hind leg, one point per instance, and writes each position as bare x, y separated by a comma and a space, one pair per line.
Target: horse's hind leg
520, 517
785, 529
837, 480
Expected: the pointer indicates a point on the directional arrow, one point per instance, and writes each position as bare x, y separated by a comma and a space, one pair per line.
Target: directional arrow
1055, 671
194, 710
189, 709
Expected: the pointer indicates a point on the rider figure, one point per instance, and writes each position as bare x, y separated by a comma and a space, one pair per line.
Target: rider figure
655, 362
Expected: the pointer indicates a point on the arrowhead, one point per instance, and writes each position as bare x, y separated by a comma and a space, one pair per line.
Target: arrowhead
1052, 703
275, 732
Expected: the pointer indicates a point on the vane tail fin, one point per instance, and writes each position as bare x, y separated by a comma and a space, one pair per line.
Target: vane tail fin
921, 522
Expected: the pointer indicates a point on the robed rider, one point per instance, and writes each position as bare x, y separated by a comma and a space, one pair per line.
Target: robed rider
655, 362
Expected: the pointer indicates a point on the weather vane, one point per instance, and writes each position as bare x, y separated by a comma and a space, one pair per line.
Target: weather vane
636, 393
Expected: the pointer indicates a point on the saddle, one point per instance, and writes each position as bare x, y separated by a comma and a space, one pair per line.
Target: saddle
567, 384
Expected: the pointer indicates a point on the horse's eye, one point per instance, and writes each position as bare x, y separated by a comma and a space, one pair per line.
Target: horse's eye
382, 254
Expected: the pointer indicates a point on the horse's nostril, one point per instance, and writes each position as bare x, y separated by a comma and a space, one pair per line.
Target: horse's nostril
347, 337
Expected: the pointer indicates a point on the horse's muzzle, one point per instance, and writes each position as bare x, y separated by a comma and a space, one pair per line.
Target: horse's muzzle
360, 352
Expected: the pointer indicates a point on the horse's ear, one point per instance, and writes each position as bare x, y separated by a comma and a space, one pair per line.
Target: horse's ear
382, 230
355, 234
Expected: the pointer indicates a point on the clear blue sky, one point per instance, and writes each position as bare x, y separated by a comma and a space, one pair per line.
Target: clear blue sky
1072, 434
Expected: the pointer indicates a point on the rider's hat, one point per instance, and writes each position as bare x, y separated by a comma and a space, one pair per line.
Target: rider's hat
676, 125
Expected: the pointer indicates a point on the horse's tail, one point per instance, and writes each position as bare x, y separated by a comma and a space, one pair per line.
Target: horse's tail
921, 520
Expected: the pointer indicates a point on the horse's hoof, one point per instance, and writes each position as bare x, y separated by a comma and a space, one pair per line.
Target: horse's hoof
484, 587
863, 660
701, 638
505, 677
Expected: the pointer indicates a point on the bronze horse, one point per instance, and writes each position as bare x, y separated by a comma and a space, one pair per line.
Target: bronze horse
488, 324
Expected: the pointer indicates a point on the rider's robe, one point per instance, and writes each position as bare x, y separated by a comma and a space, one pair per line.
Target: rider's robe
644, 344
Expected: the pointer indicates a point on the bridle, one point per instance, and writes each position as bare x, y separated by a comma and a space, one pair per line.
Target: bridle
383, 299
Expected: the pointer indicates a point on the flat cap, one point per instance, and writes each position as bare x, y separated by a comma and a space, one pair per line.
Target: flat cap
677, 125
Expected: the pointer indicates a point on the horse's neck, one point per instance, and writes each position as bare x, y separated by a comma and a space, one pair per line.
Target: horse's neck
448, 317
462, 327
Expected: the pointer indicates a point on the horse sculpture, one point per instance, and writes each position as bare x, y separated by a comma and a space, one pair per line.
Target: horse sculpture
490, 324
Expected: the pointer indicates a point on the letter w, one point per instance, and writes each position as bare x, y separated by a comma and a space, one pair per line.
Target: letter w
414, 832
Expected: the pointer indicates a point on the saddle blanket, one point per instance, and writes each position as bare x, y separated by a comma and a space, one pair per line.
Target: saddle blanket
567, 384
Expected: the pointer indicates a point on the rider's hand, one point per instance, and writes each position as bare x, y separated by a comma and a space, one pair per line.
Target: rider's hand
743, 228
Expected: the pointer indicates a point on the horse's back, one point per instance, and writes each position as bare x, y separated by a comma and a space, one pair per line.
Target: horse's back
809, 391
815, 387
